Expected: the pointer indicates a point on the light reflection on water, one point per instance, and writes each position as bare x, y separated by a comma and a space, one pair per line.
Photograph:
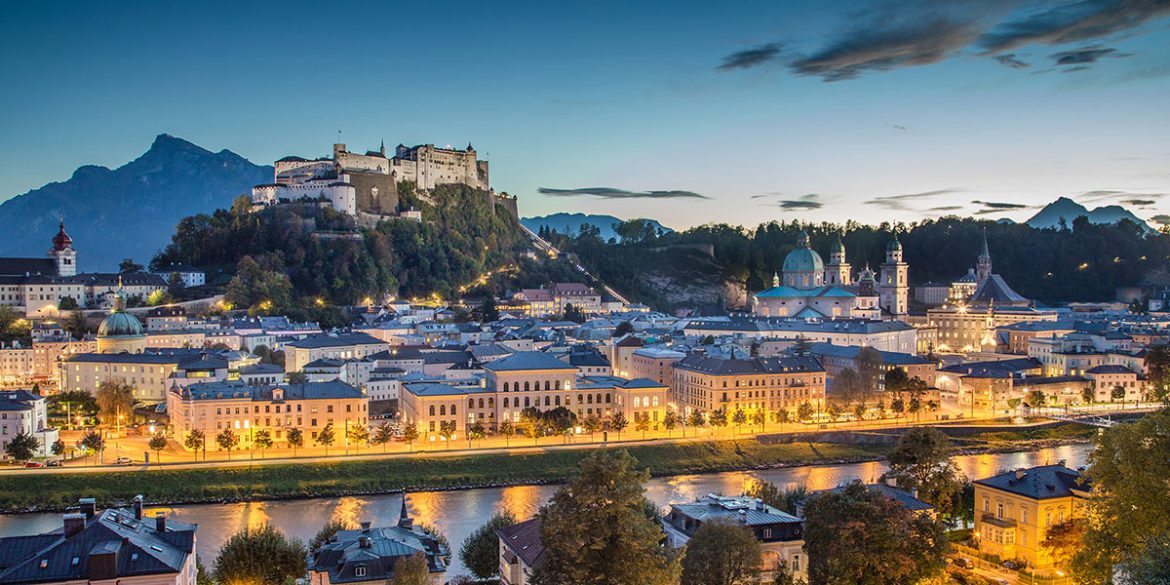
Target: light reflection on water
458, 513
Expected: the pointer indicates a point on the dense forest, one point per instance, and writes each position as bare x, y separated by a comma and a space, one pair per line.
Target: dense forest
1081, 262
289, 256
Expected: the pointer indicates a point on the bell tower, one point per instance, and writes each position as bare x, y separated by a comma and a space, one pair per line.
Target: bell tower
63, 253
894, 280
837, 272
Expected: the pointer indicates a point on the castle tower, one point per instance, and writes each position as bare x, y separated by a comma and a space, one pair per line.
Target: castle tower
894, 282
983, 263
63, 253
837, 272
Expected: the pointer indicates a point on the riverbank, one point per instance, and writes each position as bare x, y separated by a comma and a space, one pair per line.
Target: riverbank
33, 493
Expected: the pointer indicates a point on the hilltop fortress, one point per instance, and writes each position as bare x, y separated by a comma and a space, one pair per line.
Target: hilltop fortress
367, 184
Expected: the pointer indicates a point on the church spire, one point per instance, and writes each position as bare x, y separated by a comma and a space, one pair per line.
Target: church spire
983, 263
775, 279
404, 520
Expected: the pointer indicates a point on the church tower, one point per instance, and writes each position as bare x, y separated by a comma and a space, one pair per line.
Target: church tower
63, 253
983, 264
837, 272
894, 282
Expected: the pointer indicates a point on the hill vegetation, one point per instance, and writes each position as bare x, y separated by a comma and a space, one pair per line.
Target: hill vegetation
1083, 262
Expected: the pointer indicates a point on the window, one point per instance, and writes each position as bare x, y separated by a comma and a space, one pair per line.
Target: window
359, 571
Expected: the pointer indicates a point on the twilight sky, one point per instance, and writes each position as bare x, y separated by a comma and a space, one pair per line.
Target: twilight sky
687, 112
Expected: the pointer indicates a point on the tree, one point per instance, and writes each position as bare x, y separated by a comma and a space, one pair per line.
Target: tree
859, 413
718, 419
896, 381
739, 417
175, 285
642, 423
833, 411
262, 556
327, 532
1087, 395
508, 429
921, 461
898, 406
804, 411
129, 266
68, 304
157, 443
597, 530
618, 423
767, 492
262, 439
296, 439
721, 552
296, 378
480, 551
669, 421
697, 419
1063, 540
759, 418
115, 400
1157, 364
326, 437
447, 429
58, 447
1130, 503
573, 313
846, 386
22, 447
1151, 566
858, 537
1036, 399
869, 368
92, 442
383, 434
227, 440
1118, 394
358, 435
915, 406
411, 570
488, 311
623, 328
195, 441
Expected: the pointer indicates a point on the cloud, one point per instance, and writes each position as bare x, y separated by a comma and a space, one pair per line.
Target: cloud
1071, 22
946, 208
1139, 202
1081, 56
898, 202
874, 48
806, 202
612, 193
765, 195
1161, 219
1010, 60
998, 207
1107, 194
909, 33
898, 127
749, 58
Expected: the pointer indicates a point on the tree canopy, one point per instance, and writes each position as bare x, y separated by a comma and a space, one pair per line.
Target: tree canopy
721, 552
260, 556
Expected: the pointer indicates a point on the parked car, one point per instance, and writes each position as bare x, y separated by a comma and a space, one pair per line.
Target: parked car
123, 461
33, 464
1011, 565
964, 562
53, 463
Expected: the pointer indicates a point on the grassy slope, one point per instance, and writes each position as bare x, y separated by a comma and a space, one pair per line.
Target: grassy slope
29, 491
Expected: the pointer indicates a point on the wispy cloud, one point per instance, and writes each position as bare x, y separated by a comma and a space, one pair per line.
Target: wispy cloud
899, 202
751, 57
1162, 219
898, 127
1011, 60
910, 33
999, 207
767, 195
946, 208
804, 203
1118, 195
1139, 202
613, 193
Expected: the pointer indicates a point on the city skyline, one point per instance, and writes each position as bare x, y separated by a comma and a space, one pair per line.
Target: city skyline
690, 115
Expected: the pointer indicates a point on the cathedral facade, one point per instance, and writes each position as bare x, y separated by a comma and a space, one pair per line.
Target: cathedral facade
807, 288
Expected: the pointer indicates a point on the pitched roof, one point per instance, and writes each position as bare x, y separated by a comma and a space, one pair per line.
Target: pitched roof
730, 367
527, 360
523, 540
1040, 483
335, 340
995, 289
745, 510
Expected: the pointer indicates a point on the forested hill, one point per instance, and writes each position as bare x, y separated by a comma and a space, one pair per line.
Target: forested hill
287, 256
1084, 263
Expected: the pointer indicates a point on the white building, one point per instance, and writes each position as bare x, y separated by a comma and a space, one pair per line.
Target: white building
22, 412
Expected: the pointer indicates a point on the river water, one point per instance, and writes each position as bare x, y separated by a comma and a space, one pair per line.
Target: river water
458, 513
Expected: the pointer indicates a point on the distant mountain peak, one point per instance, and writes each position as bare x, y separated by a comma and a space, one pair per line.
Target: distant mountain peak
570, 223
1068, 210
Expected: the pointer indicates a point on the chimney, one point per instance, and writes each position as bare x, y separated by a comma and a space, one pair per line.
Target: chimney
1020, 474
138, 507
365, 527
364, 542
74, 523
88, 507
914, 492
160, 522
892, 481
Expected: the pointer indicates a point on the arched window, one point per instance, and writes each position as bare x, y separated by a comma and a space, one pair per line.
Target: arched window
557, 385
557, 401
590, 399
452, 410
547, 402
526, 403
481, 402
547, 385
599, 398
637, 402
492, 403
607, 398
526, 388
442, 410
432, 410
655, 401
505, 402
580, 399
505, 386
471, 402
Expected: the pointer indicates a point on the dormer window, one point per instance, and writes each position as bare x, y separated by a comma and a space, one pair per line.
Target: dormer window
359, 571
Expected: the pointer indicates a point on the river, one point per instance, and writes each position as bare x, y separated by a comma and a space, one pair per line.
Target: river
458, 513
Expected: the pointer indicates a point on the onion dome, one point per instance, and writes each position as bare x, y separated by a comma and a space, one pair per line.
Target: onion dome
838, 246
61, 241
894, 245
803, 258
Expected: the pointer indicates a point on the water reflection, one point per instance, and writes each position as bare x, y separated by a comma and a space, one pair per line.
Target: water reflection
458, 513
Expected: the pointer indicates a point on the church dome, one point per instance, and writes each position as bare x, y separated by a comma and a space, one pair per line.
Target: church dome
803, 258
894, 245
120, 324
62, 240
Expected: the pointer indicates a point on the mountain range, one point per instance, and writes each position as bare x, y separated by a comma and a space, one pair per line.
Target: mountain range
1067, 210
570, 223
130, 211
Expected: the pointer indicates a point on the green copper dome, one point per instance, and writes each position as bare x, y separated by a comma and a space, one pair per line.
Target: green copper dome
803, 258
120, 324
894, 245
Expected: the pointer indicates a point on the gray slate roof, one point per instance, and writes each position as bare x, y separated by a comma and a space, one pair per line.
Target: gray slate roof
527, 360
1040, 483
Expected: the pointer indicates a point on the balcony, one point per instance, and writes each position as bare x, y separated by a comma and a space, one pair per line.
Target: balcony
998, 522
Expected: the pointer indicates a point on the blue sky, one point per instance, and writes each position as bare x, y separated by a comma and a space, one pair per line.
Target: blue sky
769, 110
